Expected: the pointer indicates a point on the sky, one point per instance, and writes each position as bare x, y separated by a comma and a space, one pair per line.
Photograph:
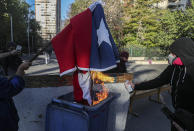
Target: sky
65, 5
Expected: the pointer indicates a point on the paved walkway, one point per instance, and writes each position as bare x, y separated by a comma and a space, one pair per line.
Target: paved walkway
39, 67
150, 116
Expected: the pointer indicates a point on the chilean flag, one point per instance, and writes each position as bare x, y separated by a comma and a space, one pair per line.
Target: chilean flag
85, 44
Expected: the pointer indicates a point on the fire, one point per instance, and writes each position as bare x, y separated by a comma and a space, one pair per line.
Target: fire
101, 76
101, 95
101, 92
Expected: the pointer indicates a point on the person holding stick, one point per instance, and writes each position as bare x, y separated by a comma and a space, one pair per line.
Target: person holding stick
11, 62
8, 88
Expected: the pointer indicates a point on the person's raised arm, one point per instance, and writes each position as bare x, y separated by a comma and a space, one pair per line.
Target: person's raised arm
10, 88
6, 54
162, 79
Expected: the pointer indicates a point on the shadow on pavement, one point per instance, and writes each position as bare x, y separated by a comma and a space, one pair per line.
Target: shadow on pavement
150, 116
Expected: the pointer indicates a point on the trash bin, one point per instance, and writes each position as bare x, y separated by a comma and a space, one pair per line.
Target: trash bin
63, 114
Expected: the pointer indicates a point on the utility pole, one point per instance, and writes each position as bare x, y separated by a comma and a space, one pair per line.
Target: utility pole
11, 28
32, 44
28, 31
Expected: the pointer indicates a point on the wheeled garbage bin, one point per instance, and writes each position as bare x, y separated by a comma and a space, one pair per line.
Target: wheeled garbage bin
63, 114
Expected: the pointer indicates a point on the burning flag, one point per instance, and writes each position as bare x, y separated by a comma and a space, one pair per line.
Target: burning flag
86, 44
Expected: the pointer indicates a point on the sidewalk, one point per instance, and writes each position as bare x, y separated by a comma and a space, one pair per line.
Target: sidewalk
150, 116
40, 68
145, 60
148, 62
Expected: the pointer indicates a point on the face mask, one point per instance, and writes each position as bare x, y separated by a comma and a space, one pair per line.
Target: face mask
171, 59
177, 61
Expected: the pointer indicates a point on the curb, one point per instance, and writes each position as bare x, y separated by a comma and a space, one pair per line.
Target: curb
149, 62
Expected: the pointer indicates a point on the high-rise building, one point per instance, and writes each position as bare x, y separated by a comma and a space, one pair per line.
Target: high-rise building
164, 4
48, 14
178, 4
173, 4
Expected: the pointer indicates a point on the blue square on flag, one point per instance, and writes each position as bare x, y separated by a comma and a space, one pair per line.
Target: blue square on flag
104, 54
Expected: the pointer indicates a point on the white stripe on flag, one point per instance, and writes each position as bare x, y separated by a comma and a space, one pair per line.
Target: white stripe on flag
68, 71
85, 84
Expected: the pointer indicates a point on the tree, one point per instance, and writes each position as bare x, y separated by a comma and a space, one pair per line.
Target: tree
145, 25
35, 38
176, 24
142, 22
19, 11
113, 13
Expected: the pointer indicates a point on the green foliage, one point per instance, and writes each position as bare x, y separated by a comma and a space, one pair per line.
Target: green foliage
113, 13
141, 23
78, 6
175, 24
18, 9
152, 27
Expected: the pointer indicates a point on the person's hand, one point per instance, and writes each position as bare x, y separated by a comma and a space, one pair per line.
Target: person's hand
132, 84
129, 86
177, 126
21, 69
13, 52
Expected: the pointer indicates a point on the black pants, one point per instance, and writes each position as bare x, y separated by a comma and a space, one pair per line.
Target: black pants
8, 116
186, 118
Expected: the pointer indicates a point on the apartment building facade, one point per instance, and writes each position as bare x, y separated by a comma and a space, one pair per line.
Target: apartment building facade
173, 4
48, 14
178, 4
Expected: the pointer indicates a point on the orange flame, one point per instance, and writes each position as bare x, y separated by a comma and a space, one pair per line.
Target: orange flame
103, 94
99, 78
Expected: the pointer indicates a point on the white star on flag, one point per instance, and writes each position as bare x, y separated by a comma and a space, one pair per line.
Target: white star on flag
103, 34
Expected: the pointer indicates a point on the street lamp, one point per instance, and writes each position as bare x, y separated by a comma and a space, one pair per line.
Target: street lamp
11, 23
11, 28
28, 31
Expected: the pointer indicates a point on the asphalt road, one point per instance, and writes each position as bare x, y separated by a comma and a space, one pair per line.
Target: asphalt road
150, 116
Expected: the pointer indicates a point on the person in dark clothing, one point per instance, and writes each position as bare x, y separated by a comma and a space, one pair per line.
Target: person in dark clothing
121, 66
9, 88
180, 75
2, 57
12, 62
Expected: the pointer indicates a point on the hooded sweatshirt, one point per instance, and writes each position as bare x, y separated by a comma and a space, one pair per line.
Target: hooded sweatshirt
184, 48
8, 113
180, 77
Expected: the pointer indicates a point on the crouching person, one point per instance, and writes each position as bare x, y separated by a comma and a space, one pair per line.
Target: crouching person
8, 88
